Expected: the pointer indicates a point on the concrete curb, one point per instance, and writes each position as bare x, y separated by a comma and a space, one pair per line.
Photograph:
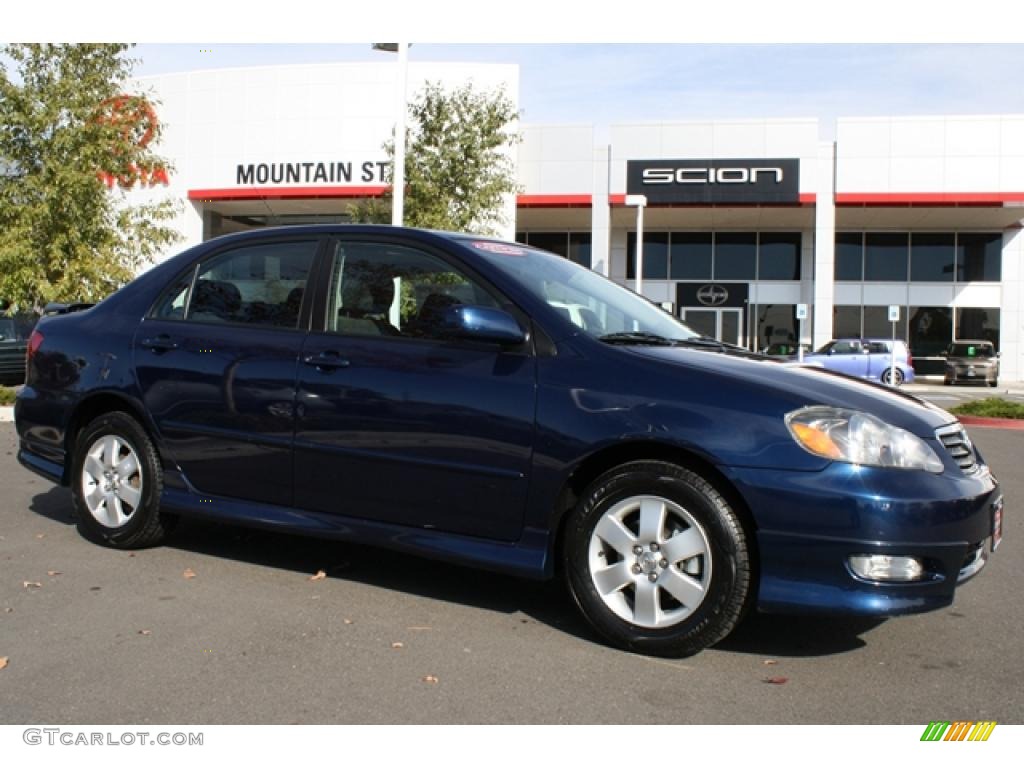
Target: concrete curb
984, 421
6, 413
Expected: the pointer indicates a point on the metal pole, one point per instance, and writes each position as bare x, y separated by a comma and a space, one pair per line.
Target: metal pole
398, 171
640, 250
892, 357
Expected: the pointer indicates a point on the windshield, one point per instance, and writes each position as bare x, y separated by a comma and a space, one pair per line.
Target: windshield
971, 350
594, 304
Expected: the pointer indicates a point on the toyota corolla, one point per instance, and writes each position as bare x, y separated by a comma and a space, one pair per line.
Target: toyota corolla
429, 392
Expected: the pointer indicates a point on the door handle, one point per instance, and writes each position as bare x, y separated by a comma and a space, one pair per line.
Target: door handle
161, 343
326, 361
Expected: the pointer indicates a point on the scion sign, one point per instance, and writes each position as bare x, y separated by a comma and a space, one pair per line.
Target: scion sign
715, 181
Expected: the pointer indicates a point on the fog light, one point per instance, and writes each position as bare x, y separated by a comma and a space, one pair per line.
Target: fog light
887, 567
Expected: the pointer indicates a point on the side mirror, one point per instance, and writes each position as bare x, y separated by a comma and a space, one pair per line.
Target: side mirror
482, 324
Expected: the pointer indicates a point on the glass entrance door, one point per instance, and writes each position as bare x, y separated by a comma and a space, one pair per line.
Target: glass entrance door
721, 324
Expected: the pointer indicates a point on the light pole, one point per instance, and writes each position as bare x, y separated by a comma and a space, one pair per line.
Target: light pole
640, 202
398, 169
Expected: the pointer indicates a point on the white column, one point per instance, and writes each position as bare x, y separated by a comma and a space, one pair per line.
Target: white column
398, 172
600, 213
824, 244
1011, 311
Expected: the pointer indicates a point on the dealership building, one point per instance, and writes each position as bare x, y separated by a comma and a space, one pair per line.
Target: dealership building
743, 221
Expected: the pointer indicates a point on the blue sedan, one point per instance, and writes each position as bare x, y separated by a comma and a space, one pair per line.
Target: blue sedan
428, 392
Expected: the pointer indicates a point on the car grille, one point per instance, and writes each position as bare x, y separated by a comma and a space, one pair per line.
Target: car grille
958, 445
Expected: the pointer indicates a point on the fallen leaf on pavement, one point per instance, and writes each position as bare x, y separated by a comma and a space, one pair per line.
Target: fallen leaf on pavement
28, 584
189, 573
3, 661
348, 621
770, 662
776, 680
54, 573
418, 629
430, 679
40, 535
145, 631
318, 576
8, 610
398, 645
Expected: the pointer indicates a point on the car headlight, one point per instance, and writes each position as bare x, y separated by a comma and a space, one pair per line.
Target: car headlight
859, 438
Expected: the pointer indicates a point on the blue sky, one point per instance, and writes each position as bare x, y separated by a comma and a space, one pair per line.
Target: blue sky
609, 83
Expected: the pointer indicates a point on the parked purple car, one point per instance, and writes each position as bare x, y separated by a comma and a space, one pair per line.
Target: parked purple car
867, 359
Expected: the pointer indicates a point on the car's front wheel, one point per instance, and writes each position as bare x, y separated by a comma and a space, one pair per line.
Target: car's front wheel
117, 482
657, 559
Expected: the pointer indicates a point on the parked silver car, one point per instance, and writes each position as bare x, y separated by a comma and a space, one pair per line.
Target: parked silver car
972, 360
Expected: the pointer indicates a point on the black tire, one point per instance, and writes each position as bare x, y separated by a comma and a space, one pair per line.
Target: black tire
144, 525
726, 561
896, 375
994, 383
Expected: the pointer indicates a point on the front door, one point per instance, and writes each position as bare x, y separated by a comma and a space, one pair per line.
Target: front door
398, 424
724, 324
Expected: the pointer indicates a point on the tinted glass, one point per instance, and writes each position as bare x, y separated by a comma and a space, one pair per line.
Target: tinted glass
978, 323
878, 326
579, 248
979, 257
931, 257
380, 289
655, 255
172, 303
556, 242
849, 256
777, 324
971, 350
846, 320
930, 330
254, 285
690, 256
885, 256
779, 256
735, 256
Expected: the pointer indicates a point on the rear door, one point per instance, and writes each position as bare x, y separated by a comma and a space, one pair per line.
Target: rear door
847, 356
216, 362
398, 424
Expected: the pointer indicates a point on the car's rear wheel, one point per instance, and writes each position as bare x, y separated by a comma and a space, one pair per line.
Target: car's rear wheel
657, 560
994, 383
117, 482
892, 376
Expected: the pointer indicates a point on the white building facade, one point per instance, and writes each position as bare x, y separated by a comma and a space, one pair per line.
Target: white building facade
745, 220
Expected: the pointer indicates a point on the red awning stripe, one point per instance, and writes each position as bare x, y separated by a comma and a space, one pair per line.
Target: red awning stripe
929, 198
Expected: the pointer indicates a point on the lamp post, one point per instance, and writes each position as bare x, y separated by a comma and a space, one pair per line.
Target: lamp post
640, 202
398, 169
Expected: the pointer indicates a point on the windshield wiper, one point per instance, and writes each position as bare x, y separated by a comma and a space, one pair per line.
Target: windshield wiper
637, 337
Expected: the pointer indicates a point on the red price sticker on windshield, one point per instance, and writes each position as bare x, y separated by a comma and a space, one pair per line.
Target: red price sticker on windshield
503, 248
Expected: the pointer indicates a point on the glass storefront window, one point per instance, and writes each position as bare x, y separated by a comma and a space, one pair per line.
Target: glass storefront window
978, 323
556, 242
779, 256
849, 256
930, 331
877, 324
885, 257
931, 257
777, 324
735, 256
979, 257
579, 248
690, 256
655, 256
846, 321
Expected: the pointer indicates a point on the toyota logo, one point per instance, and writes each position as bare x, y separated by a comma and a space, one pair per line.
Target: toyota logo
712, 295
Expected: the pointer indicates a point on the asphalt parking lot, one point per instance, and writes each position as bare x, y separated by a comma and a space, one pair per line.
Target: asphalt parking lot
225, 625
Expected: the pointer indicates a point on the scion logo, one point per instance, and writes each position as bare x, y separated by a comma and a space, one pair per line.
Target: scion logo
712, 295
961, 730
746, 181
739, 175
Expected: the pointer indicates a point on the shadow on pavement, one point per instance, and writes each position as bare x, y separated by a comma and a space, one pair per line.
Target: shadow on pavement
546, 602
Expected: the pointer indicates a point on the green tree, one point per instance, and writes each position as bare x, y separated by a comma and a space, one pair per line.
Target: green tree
66, 134
458, 168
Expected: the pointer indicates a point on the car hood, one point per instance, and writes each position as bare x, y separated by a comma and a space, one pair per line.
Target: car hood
788, 386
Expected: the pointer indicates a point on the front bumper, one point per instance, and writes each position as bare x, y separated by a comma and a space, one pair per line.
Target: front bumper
810, 523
